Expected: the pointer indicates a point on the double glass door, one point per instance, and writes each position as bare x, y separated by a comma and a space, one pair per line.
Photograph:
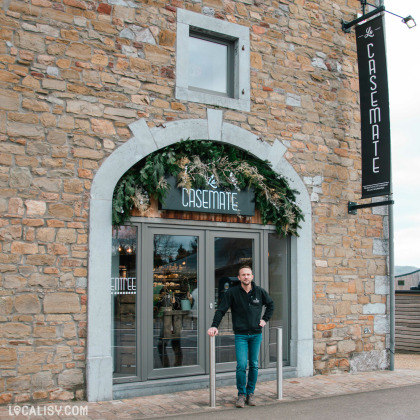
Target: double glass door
167, 283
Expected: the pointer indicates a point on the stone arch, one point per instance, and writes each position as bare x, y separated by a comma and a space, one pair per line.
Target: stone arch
144, 142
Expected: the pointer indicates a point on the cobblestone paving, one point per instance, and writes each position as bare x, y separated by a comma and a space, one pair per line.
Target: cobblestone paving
197, 401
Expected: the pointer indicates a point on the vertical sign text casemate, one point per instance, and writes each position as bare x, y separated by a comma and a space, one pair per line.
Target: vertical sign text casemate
374, 108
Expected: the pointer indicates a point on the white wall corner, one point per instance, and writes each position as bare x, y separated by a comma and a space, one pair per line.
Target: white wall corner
278, 149
305, 358
175, 131
99, 378
143, 138
215, 122
245, 140
99, 361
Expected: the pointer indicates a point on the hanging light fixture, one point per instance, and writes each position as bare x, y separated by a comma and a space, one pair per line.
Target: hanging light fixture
409, 21
346, 26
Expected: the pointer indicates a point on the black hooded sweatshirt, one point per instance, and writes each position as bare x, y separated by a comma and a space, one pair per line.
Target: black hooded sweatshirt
246, 309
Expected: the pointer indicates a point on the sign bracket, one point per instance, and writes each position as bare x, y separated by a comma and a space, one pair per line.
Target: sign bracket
352, 207
346, 26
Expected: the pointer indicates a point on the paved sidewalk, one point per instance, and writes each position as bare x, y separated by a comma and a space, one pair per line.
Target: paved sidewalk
384, 404
197, 401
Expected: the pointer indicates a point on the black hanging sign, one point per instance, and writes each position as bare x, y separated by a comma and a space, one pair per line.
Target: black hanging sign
209, 200
374, 108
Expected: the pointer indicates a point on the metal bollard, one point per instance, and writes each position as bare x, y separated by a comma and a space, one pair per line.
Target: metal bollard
279, 363
212, 371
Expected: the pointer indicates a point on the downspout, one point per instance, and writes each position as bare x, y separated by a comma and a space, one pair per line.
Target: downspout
391, 271
391, 288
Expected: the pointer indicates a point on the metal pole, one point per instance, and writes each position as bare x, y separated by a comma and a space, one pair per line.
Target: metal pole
391, 289
212, 371
279, 363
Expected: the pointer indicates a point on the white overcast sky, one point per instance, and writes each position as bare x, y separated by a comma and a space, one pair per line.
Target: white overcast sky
403, 60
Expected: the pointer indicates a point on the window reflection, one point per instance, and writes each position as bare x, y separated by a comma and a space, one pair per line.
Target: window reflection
208, 65
175, 301
123, 293
279, 290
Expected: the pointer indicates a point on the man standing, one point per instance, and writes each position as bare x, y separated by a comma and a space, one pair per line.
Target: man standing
246, 301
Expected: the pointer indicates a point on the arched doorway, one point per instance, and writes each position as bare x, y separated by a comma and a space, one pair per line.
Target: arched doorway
144, 142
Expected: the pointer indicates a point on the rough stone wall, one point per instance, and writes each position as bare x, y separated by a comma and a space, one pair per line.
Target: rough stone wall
351, 306
74, 74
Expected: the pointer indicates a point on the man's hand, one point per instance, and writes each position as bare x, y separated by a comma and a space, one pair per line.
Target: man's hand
262, 323
212, 331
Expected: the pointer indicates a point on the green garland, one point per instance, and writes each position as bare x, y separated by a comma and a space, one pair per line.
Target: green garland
194, 163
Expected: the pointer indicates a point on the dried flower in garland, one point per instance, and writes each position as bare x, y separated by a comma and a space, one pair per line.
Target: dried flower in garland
196, 163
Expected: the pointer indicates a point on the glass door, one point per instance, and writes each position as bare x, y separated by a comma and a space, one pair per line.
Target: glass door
227, 252
168, 281
174, 277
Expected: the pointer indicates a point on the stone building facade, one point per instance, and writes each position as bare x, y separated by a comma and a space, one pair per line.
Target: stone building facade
81, 79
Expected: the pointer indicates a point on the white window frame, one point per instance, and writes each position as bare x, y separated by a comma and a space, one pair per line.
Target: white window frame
194, 22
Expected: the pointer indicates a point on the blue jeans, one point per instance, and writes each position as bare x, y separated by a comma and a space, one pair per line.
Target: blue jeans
247, 347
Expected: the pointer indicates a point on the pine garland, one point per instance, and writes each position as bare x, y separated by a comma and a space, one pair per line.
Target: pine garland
197, 162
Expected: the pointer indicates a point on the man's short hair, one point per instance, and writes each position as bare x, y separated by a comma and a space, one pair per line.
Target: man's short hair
244, 266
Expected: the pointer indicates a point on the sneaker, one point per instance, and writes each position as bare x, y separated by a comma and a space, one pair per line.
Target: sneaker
250, 400
240, 402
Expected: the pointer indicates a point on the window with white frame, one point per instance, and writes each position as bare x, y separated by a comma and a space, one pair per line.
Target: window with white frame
213, 61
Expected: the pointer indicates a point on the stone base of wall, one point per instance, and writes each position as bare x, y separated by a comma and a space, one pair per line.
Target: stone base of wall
367, 361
